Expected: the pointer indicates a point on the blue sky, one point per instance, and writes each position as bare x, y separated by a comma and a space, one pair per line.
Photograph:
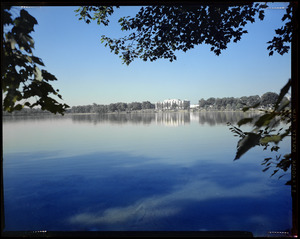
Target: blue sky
88, 72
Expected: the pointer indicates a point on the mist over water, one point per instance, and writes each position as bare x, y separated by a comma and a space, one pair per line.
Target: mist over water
160, 171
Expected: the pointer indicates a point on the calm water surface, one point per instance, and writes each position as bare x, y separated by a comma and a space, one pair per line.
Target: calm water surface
162, 172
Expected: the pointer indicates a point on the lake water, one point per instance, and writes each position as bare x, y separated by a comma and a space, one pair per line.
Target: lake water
133, 172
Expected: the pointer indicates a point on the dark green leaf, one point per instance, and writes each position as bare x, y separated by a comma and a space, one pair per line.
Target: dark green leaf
244, 121
283, 92
48, 76
37, 60
267, 139
249, 141
18, 107
265, 119
265, 169
249, 107
288, 182
274, 148
275, 171
261, 15
24, 14
266, 160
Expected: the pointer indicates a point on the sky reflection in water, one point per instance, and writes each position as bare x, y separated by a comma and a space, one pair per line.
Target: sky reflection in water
92, 173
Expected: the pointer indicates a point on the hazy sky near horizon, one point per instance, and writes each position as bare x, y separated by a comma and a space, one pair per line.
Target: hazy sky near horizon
88, 72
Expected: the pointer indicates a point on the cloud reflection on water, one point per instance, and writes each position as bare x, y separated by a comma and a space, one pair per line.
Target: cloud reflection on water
158, 212
108, 195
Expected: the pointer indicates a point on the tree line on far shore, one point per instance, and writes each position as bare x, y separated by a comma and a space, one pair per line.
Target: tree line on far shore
94, 108
226, 103
113, 107
266, 101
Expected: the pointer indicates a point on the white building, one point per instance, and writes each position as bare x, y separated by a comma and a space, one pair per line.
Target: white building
194, 106
172, 104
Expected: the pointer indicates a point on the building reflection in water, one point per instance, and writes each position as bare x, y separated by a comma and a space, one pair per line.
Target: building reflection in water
172, 118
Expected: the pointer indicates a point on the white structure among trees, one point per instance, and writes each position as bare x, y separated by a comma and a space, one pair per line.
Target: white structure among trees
173, 104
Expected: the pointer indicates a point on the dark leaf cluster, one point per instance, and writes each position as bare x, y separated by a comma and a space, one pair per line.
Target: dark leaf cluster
101, 14
158, 31
23, 82
282, 40
266, 132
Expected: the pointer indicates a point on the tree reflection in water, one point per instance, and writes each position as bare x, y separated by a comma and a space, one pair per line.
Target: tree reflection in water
164, 118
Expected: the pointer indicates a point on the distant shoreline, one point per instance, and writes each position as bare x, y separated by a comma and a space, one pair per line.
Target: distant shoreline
149, 111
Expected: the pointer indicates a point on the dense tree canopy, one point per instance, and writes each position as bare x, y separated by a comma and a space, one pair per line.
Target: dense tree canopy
159, 31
